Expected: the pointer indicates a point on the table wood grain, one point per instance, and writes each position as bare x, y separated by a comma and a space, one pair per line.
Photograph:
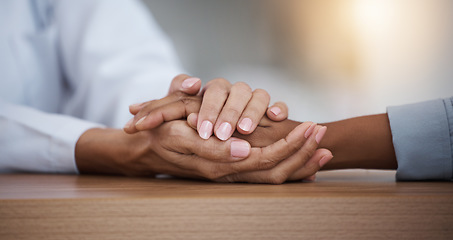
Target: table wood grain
338, 205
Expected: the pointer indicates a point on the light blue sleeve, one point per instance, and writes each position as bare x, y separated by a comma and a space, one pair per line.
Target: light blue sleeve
423, 140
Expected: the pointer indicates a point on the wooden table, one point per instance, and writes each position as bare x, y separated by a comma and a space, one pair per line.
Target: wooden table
339, 205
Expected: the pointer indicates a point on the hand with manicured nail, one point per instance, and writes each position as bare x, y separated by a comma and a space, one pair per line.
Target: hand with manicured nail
222, 107
175, 148
302, 165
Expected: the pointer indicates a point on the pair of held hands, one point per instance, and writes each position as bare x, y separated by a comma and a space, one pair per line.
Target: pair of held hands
248, 147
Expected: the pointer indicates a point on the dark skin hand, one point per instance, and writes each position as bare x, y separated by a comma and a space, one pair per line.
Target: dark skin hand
361, 142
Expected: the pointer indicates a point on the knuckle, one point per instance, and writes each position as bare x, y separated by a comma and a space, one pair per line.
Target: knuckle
232, 113
176, 129
266, 163
242, 86
209, 111
180, 94
277, 177
306, 153
253, 112
262, 93
188, 100
180, 76
211, 172
219, 82
291, 147
222, 81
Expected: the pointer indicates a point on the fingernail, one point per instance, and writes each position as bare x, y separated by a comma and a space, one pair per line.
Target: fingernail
324, 160
310, 130
224, 131
320, 134
246, 124
240, 149
188, 83
128, 124
205, 129
276, 110
140, 121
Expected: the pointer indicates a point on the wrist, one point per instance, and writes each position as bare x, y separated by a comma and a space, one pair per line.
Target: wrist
362, 142
109, 151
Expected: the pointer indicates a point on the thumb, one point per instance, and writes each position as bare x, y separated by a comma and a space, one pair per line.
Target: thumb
186, 84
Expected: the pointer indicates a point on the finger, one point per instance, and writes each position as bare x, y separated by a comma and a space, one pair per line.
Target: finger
136, 107
270, 156
239, 97
286, 168
172, 111
311, 178
186, 84
192, 120
214, 96
321, 157
184, 105
254, 111
183, 83
278, 112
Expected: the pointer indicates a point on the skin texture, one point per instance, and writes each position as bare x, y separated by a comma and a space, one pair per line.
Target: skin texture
175, 148
281, 151
361, 142
223, 107
166, 145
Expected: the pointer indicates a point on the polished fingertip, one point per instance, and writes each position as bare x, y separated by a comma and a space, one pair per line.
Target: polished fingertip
325, 159
275, 110
320, 134
240, 148
298, 132
188, 83
205, 129
140, 121
246, 124
310, 130
224, 131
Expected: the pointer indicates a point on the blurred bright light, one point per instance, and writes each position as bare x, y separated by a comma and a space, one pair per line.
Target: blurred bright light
372, 15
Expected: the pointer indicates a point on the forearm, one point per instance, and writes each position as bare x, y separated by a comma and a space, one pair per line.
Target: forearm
108, 151
362, 142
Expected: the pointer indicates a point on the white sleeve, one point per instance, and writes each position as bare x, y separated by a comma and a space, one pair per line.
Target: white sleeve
34, 141
113, 54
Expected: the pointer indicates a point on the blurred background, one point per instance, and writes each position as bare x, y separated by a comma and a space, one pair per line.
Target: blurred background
327, 59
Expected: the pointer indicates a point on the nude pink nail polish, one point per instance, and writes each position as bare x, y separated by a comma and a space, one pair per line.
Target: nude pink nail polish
205, 129
246, 124
140, 121
276, 110
240, 148
320, 134
324, 160
188, 83
224, 131
310, 130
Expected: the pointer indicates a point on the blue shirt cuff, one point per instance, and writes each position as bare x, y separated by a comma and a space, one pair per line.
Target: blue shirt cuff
422, 138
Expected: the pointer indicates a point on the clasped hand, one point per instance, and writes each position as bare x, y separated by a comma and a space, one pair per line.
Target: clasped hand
178, 131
